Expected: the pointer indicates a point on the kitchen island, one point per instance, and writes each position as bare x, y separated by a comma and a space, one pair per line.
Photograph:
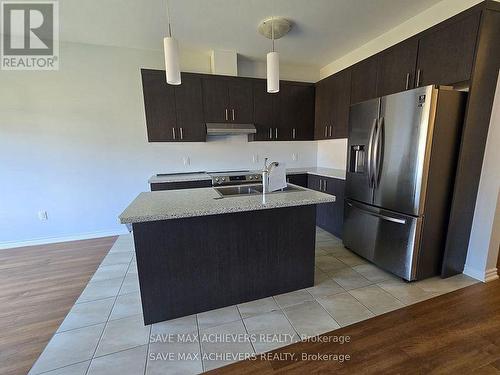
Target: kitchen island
198, 251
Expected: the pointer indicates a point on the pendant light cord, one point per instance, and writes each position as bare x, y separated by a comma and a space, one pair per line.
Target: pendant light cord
272, 23
168, 20
272, 31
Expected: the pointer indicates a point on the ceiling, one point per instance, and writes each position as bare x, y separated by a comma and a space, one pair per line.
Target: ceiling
323, 30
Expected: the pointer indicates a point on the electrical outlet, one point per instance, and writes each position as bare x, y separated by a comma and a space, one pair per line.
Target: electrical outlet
295, 156
42, 216
186, 161
255, 158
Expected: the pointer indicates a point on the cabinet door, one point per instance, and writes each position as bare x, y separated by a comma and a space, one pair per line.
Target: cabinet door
304, 125
159, 106
216, 99
287, 101
313, 182
446, 55
240, 100
341, 103
264, 112
364, 80
321, 108
335, 217
297, 179
396, 68
295, 112
189, 109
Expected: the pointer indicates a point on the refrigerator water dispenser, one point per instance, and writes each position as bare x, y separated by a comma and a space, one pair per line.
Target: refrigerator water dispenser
357, 159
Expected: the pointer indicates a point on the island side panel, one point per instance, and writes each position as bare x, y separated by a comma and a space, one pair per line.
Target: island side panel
191, 265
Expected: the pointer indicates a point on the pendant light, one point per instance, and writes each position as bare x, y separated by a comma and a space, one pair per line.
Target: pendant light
274, 28
171, 50
273, 66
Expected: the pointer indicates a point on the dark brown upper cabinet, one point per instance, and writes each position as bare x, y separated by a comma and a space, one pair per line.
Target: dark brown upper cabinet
159, 106
228, 99
323, 107
332, 106
189, 109
241, 100
396, 68
364, 80
264, 111
341, 103
295, 112
446, 55
284, 116
173, 113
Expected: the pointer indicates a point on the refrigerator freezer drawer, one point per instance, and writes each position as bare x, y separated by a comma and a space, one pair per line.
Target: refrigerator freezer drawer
388, 239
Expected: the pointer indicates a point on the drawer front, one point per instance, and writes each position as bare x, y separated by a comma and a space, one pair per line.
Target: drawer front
387, 239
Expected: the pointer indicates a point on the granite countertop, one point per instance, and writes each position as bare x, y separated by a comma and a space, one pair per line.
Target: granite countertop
200, 176
176, 204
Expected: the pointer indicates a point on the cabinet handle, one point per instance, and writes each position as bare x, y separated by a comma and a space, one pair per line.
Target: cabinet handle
330, 131
173, 133
325, 185
270, 133
276, 133
407, 86
233, 113
326, 131
418, 78
227, 115
293, 133
182, 135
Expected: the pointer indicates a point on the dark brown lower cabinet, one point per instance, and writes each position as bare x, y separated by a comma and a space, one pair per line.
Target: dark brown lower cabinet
329, 216
181, 185
297, 179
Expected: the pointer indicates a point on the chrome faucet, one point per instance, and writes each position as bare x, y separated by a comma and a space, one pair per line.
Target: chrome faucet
265, 177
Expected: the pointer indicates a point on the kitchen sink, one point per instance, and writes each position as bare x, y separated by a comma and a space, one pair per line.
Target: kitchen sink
231, 191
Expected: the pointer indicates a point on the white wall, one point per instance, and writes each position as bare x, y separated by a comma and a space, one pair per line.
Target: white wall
257, 69
485, 235
73, 142
422, 21
332, 153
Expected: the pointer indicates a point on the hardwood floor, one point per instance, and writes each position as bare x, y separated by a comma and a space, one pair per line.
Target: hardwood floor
456, 333
38, 286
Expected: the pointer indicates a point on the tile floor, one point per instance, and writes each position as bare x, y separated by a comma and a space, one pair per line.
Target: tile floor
104, 332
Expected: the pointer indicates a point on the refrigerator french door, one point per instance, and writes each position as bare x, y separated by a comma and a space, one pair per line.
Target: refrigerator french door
389, 148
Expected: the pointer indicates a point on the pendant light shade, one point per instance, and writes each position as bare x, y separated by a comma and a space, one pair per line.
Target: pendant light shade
172, 60
273, 72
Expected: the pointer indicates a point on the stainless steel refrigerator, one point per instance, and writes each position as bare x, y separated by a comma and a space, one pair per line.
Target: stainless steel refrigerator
402, 152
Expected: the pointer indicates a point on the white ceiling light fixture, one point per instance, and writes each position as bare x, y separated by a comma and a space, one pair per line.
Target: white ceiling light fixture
171, 49
274, 28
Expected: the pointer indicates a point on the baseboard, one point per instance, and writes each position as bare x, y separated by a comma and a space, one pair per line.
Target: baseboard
49, 240
484, 276
491, 275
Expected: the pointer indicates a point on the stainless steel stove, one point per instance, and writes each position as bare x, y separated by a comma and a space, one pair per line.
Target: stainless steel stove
235, 177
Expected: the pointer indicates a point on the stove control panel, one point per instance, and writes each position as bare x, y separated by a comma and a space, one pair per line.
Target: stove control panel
236, 179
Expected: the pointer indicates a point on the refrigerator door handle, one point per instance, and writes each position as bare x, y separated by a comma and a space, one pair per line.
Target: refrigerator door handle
369, 162
380, 216
377, 152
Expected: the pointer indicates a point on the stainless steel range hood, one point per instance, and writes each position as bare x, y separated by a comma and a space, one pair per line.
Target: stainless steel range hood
221, 128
